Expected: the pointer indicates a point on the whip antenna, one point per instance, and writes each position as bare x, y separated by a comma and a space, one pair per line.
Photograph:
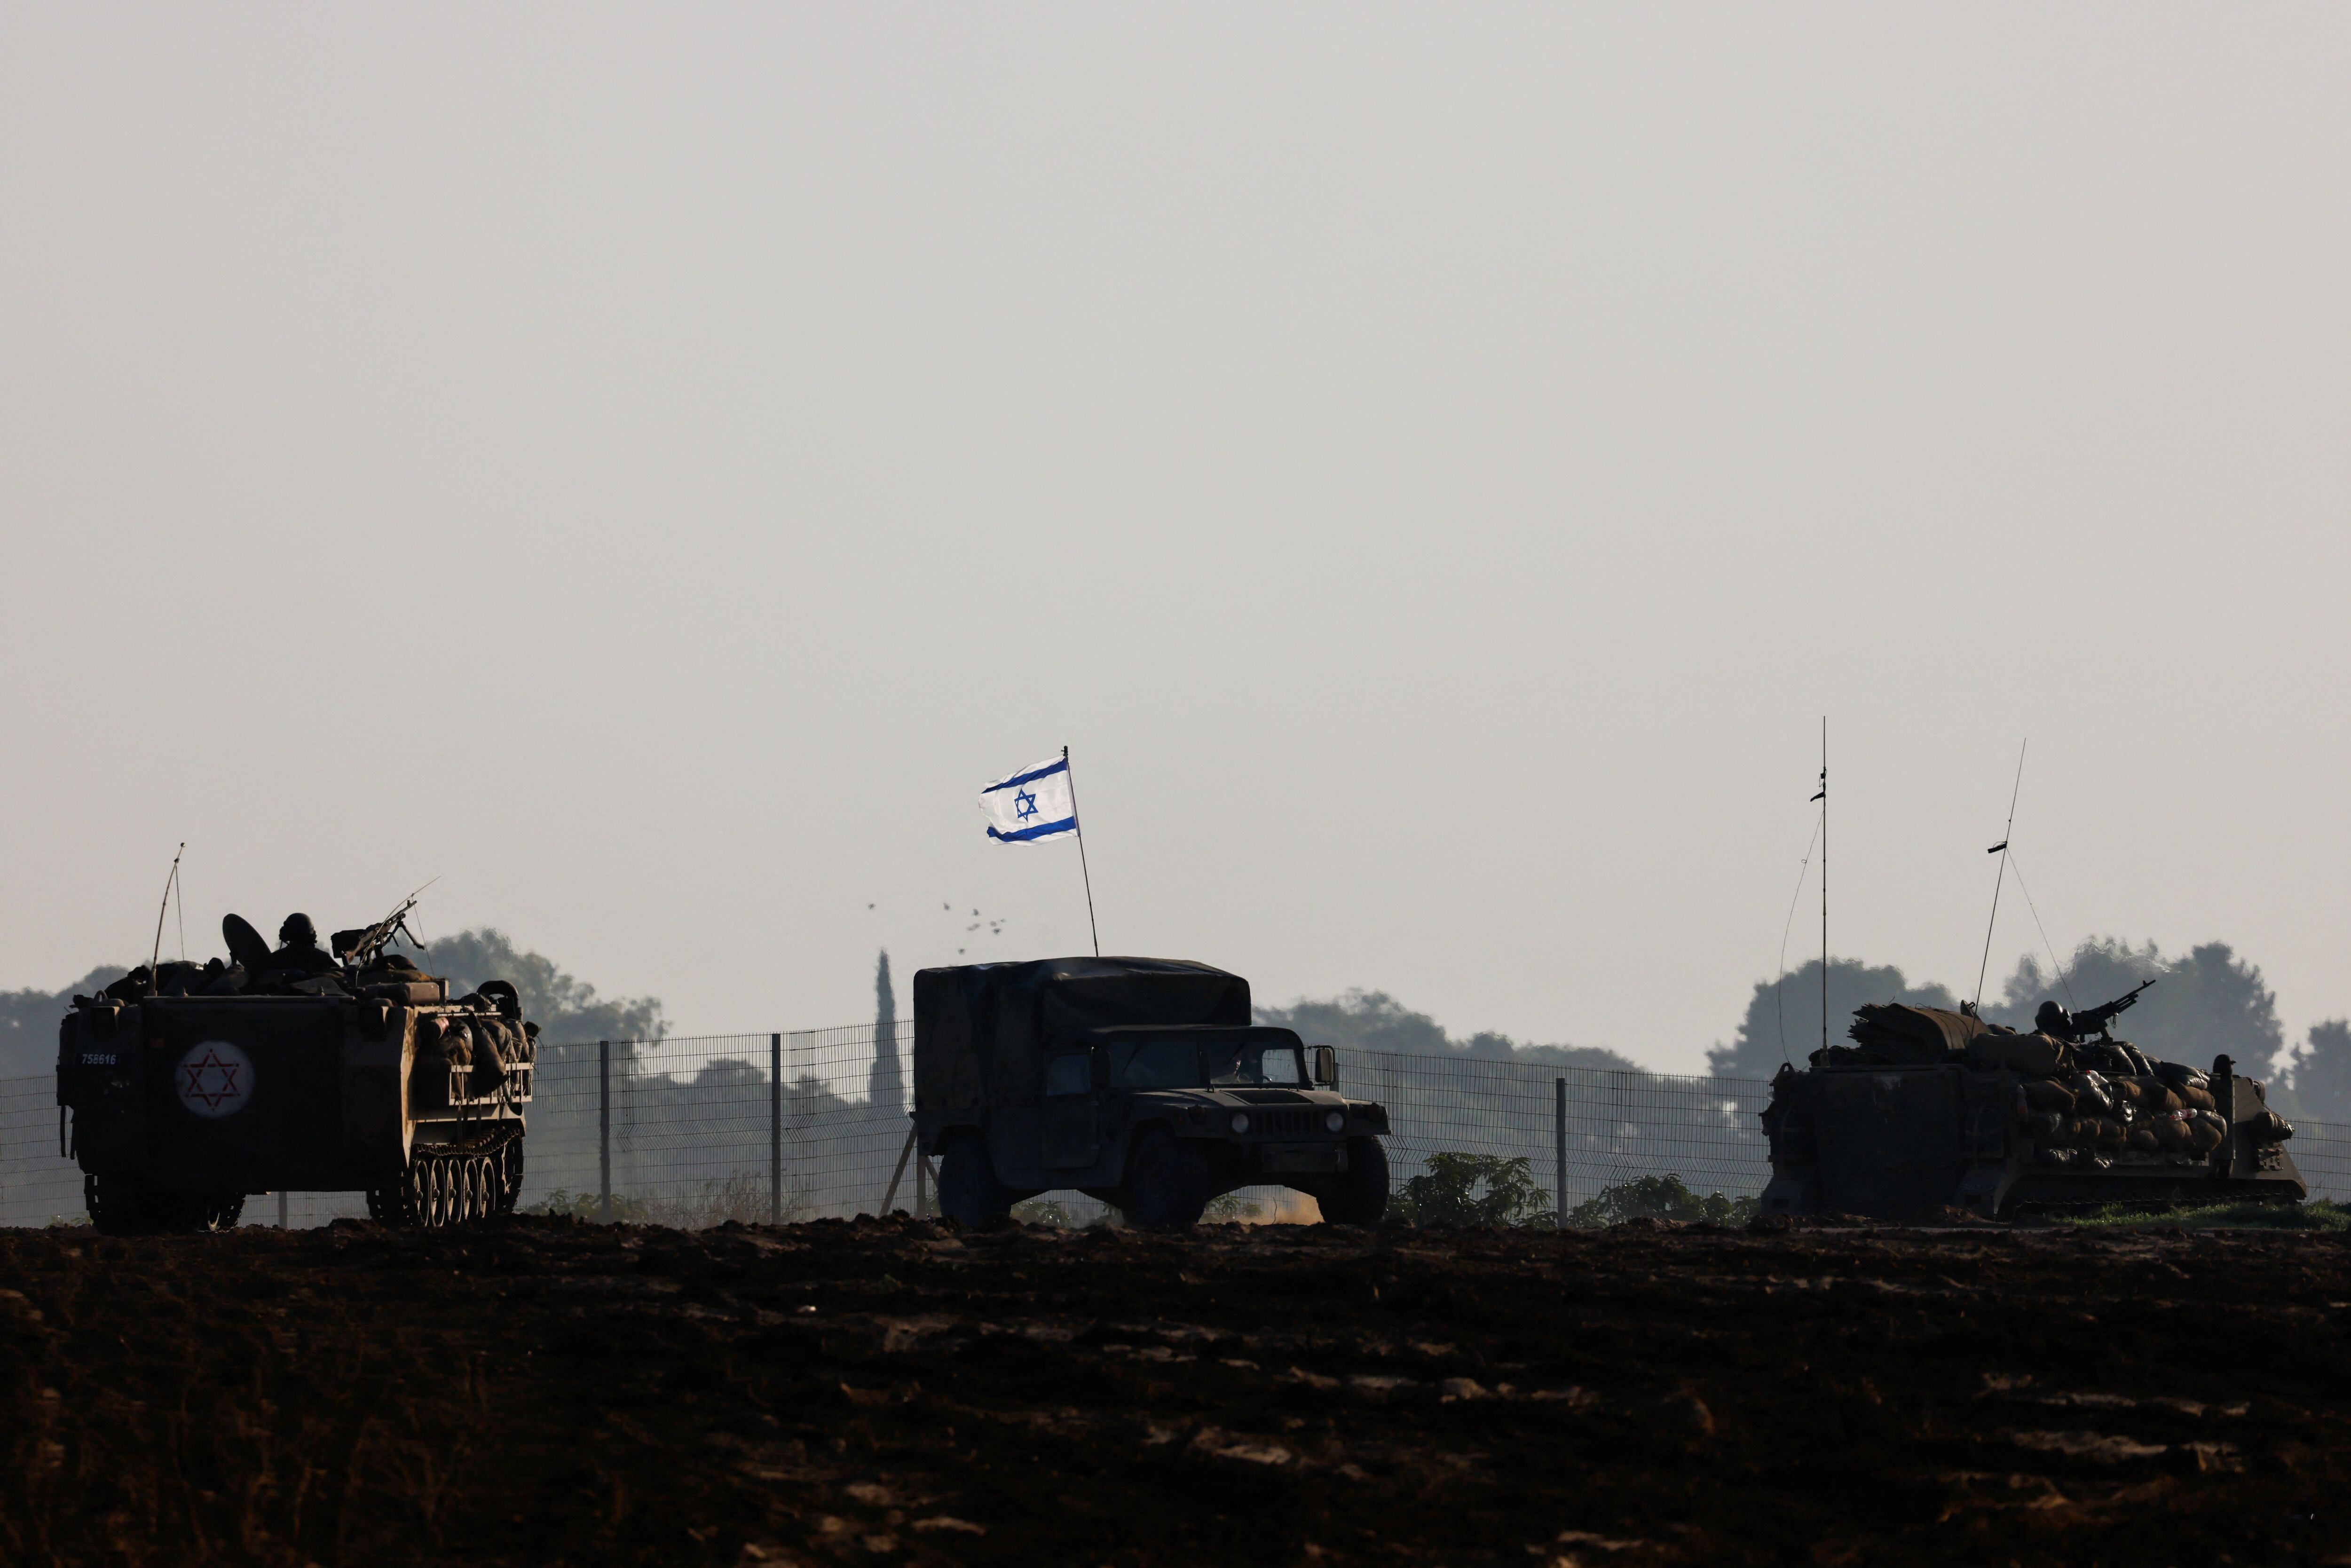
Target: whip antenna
2001, 849
1823, 799
162, 909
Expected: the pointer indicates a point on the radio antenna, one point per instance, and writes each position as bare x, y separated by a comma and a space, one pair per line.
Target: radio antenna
1823, 799
2001, 849
162, 909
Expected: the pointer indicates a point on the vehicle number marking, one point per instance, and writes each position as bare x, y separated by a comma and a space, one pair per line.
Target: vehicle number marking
215, 1079
96, 1059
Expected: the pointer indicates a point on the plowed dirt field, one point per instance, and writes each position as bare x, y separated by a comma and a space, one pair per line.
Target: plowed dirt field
538, 1391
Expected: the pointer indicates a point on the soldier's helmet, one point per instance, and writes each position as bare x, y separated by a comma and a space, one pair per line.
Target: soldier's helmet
298, 932
2053, 1020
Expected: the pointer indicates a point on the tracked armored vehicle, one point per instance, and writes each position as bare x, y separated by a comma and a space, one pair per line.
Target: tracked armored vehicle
1931, 1110
187, 1087
1142, 1083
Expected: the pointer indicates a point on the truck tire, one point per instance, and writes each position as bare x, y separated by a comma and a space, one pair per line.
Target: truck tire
970, 1192
1170, 1180
1358, 1195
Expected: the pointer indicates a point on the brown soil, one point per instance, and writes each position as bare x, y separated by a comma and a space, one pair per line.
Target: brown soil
540, 1391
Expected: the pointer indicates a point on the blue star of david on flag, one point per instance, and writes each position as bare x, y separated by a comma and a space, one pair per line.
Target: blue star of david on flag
1035, 803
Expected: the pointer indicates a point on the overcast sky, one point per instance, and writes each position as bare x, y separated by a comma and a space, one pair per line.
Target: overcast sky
1435, 465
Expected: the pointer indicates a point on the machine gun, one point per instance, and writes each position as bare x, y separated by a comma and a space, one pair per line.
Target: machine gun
2100, 1019
360, 948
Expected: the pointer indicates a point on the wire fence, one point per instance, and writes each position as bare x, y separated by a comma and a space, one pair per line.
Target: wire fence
808, 1124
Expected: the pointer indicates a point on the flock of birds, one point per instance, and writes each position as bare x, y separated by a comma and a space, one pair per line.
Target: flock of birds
991, 923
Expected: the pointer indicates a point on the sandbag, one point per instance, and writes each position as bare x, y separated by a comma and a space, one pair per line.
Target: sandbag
2144, 1140
2045, 1094
2092, 1095
2180, 1077
2269, 1127
2029, 1055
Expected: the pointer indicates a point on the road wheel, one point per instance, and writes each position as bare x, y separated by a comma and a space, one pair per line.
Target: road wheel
418, 1188
970, 1192
215, 1211
1358, 1195
509, 1173
1169, 1180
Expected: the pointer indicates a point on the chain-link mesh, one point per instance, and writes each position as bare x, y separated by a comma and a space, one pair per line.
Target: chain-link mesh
695, 1132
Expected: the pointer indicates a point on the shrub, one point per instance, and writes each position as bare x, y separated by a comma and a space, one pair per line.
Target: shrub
1483, 1190
1658, 1198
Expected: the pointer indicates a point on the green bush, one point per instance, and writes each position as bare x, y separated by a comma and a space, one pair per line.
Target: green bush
1658, 1198
1483, 1190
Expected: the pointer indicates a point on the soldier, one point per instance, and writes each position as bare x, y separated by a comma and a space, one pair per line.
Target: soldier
298, 949
2052, 1020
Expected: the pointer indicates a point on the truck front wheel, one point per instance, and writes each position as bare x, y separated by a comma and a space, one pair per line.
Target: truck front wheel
970, 1192
1358, 1195
1170, 1182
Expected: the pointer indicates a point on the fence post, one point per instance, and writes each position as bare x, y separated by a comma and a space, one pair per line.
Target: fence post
775, 1129
1558, 1146
281, 1208
604, 1128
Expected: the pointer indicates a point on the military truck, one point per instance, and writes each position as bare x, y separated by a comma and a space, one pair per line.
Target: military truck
1142, 1083
188, 1087
1931, 1110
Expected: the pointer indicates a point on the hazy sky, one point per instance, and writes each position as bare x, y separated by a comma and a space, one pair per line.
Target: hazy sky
1435, 465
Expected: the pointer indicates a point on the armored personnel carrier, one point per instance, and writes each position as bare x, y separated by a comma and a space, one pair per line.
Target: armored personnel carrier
1930, 1109
1140, 1082
189, 1086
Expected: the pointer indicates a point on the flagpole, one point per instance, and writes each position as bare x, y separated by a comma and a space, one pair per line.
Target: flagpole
1824, 882
1082, 870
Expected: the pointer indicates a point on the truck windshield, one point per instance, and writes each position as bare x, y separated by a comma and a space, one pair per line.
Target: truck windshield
1253, 1064
1172, 1061
1155, 1064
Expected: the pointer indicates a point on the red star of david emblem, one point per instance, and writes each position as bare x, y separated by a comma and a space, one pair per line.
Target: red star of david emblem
223, 1085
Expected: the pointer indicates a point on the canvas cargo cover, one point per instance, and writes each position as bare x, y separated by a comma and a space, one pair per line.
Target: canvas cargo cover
1896, 1034
980, 1029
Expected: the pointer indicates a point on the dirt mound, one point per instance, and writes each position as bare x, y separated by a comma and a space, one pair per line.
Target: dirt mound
539, 1391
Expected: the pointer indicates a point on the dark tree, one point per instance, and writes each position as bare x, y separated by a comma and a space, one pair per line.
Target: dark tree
1784, 1017
1373, 1020
2322, 1073
885, 1084
567, 1009
2205, 1003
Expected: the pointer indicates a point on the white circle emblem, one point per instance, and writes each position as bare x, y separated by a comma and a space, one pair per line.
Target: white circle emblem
216, 1079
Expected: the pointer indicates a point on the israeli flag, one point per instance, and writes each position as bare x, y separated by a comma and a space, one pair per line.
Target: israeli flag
1035, 803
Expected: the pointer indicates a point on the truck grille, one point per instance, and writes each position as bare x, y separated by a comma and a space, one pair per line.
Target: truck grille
1286, 1122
